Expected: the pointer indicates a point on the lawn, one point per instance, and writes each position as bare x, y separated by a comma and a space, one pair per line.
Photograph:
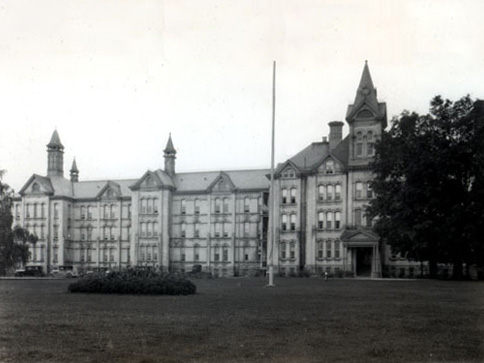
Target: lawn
237, 320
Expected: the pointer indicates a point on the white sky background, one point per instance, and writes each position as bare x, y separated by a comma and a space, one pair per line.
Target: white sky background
115, 77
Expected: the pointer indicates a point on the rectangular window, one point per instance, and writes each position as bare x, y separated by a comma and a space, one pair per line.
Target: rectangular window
337, 220
83, 212
197, 206
292, 251
183, 206
336, 249
359, 190
328, 249
217, 230
183, 257
293, 222
216, 254
320, 250
369, 191
225, 230
321, 189
217, 206
246, 205
337, 192
329, 192
320, 220
371, 149
284, 196
226, 205
283, 251
329, 220
293, 195
225, 254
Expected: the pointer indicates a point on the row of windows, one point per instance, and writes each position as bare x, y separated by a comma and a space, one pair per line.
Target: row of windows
148, 253
149, 205
325, 220
363, 190
329, 249
329, 192
36, 210
220, 229
288, 222
149, 229
284, 250
365, 144
289, 196
221, 205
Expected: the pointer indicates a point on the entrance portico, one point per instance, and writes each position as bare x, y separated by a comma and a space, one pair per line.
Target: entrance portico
361, 253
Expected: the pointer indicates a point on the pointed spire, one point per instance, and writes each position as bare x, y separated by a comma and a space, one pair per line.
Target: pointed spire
55, 156
366, 81
170, 149
74, 166
170, 156
55, 141
366, 91
74, 172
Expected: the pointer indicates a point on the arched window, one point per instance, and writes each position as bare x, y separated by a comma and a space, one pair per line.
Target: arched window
183, 207
105, 212
370, 143
293, 195
217, 229
113, 211
35, 188
321, 190
359, 144
226, 205
197, 206
225, 253
183, 229
337, 220
218, 205
216, 253
149, 206
321, 220
35, 210
284, 196
337, 192
293, 222
359, 190
329, 192
329, 220
284, 222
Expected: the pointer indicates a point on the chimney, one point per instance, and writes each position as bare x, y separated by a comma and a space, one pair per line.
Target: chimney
335, 133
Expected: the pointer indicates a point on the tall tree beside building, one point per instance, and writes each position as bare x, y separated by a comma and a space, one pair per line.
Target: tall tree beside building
13, 242
429, 184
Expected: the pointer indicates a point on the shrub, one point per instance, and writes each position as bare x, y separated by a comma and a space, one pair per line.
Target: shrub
135, 281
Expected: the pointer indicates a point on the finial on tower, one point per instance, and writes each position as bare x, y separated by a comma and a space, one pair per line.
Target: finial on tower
55, 156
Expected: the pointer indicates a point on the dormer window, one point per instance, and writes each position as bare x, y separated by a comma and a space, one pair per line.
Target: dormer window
289, 173
329, 167
35, 188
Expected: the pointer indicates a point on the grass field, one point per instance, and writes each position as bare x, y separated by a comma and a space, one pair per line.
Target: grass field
237, 320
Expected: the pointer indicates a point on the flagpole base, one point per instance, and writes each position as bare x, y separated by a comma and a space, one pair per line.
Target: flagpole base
271, 277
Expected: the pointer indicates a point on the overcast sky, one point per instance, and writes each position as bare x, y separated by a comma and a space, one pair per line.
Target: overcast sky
115, 77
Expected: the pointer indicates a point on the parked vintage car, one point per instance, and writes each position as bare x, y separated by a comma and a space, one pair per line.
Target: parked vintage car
63, 272
36, 271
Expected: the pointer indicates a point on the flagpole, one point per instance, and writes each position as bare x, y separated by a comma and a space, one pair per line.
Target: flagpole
272, 196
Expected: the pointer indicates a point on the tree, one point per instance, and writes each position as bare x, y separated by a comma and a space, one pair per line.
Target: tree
13, 242
429, 184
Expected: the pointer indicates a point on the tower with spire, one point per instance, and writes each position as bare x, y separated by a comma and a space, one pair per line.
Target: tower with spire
55, 156
366, 117
170, 156
74, 172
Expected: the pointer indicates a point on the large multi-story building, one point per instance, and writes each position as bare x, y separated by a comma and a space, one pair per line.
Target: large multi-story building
219, 220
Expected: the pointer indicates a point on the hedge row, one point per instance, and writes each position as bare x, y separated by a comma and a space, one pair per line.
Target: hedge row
134, 283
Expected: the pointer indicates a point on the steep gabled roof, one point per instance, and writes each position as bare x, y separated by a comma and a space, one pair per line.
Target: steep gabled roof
241, 179
161, 178
309, 157
43, 181
359, 234
91, 189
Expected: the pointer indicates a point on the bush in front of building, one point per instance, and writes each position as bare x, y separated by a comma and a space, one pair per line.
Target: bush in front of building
135, 282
